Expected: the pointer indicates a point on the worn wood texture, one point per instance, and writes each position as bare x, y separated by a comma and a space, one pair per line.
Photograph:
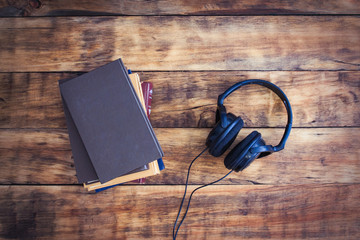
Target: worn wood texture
310, 190
312, 155
188, 99
232, 212
181, 43
174, 7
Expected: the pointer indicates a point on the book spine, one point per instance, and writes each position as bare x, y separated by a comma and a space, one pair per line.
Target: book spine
147, 89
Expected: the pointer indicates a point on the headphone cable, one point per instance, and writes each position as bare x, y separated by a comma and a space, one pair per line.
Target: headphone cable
187, 179
188, 205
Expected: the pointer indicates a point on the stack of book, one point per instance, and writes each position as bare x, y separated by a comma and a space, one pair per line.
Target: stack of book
110, 134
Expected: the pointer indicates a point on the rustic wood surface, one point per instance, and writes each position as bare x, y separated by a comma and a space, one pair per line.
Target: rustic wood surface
188, 99
311, 49
48, 158
232, 212
181, 43
174, 7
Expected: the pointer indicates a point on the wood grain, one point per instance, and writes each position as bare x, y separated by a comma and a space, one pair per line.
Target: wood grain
179, 43
312, 155
217, 212
191, 51
177, 7
318, 99
188, 99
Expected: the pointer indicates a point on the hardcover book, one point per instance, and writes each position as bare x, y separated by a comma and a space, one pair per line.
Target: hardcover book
109, 131
153, 167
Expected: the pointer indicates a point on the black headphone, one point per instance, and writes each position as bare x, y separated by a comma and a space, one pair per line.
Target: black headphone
224, 133
228, 126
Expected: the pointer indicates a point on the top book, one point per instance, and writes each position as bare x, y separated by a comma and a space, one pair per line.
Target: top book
105, 112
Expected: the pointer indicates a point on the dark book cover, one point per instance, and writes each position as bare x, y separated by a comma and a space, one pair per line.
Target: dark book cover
147, 90
109, 119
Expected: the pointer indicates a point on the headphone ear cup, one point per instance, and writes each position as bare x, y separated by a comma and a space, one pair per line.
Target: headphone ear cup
220, 139
241, 156
214, 135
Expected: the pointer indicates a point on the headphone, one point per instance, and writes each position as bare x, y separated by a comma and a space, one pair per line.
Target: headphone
228, 126
224, 133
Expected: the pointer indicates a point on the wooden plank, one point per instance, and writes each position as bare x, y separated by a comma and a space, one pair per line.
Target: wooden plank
138, 212
318, 99
188, 99
312, 155
177, 7
178, 43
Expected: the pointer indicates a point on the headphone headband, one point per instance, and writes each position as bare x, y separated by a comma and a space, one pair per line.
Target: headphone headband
275, 89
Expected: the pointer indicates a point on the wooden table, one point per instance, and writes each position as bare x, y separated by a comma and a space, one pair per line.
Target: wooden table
191, 51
